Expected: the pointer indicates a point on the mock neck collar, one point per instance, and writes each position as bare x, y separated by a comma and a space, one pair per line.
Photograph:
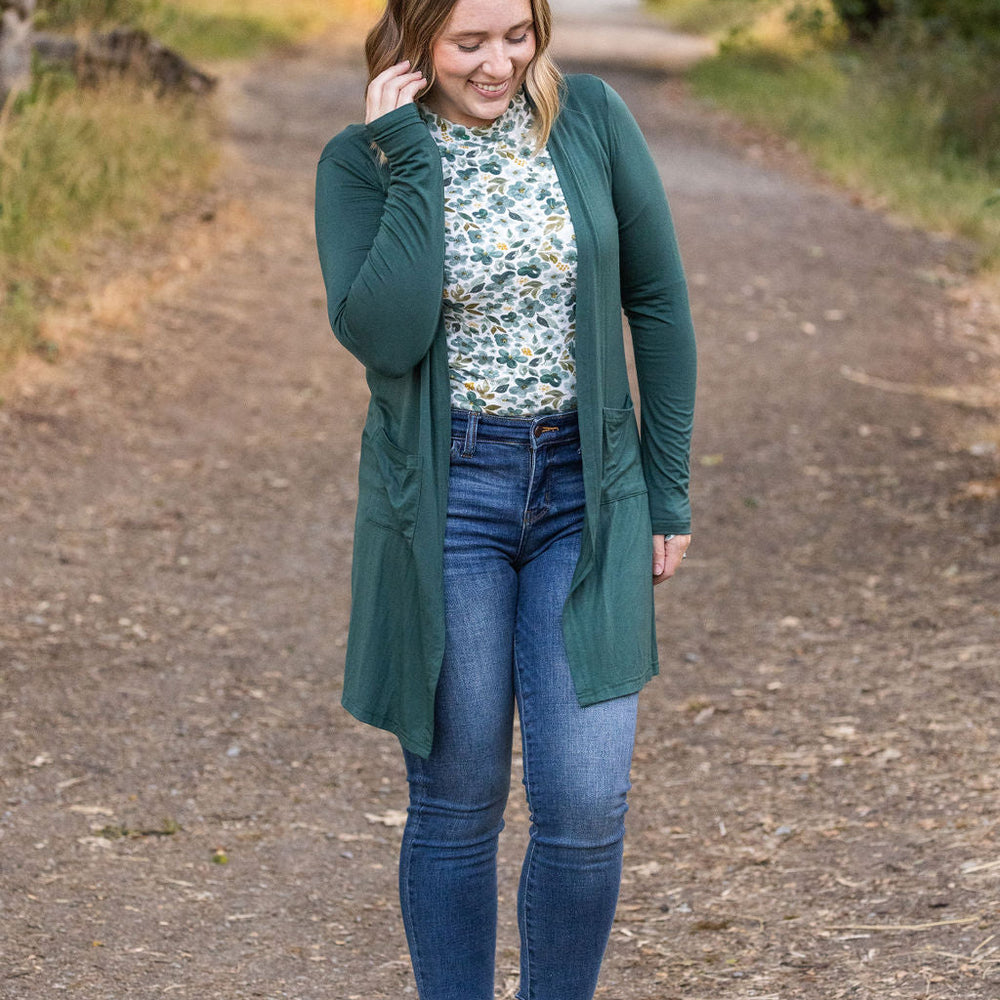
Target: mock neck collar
512, 126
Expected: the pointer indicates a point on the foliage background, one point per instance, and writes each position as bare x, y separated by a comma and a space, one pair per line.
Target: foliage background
897, 98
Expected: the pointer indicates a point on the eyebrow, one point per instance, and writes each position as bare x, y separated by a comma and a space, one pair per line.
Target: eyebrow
482, 34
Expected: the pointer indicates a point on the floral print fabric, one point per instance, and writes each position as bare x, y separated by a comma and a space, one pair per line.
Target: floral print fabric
510, 269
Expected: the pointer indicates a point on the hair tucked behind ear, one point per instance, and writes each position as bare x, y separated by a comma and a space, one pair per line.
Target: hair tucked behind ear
408, 29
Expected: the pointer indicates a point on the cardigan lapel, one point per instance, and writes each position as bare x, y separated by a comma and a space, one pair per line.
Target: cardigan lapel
589, 403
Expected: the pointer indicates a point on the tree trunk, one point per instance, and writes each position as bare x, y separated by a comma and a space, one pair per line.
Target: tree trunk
122, 50
15, 45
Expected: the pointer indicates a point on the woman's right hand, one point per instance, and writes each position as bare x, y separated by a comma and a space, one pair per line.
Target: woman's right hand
392, 89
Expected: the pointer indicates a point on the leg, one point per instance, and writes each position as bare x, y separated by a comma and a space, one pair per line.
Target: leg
576, 763
447, 874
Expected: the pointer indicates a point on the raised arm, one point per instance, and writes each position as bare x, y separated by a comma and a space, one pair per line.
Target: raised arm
380, 233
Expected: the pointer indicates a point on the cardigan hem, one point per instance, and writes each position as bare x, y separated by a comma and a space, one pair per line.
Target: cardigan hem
619, 690
419, 745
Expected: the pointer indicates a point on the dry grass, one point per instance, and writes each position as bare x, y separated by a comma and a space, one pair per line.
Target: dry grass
78, 167
213, 29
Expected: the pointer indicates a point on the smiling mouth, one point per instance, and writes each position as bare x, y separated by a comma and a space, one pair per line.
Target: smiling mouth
491, 88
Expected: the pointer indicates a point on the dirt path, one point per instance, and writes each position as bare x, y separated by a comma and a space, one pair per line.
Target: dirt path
815, 802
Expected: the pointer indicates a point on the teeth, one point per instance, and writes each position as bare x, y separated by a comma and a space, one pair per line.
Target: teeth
493, 88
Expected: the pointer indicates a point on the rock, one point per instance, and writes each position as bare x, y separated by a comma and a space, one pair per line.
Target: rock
15, 46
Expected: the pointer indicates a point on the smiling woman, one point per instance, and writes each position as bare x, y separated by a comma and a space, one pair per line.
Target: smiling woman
422, 33
480, 61
479, 236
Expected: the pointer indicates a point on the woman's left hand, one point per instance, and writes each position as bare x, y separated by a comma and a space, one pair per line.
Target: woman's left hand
668, 551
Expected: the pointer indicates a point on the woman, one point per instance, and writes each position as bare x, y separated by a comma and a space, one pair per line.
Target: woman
479, 236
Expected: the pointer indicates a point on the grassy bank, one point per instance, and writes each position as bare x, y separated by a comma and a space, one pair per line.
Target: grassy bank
78, 165
212, 29
907, 124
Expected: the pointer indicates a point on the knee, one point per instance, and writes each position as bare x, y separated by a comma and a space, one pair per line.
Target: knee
583, 817
467, 813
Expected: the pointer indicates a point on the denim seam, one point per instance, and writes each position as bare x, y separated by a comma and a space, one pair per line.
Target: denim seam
527, 957
416, 960
471, 427
528, 770
525, 519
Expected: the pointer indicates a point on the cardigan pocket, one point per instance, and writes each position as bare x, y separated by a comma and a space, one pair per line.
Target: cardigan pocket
621, 476
393, 493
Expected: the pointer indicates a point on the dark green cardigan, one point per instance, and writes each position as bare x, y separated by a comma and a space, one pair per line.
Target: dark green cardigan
380, 231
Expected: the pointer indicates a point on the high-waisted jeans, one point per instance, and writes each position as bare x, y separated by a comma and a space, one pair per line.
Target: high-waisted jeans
515, 514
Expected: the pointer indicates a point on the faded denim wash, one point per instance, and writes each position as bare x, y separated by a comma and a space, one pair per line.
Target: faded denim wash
515, 512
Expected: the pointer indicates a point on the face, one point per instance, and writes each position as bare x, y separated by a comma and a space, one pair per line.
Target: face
480, 59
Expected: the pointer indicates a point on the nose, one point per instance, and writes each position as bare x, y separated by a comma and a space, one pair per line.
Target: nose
498, 63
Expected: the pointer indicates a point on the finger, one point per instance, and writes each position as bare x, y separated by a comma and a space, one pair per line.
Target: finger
669, 568
659, 555
389, 81
387, 95
396, 69
376, 88
673, 549
378, 82
408, 94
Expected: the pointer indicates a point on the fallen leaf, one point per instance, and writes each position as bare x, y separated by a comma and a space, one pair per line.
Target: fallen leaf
647, 869
92, 810
393, 817
94, 842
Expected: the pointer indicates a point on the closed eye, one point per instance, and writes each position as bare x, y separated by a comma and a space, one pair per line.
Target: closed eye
520, 40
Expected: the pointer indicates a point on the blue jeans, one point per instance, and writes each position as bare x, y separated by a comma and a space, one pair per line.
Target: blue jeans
515, 514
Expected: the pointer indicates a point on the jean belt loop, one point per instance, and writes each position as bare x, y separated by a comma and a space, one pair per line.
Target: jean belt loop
471, 426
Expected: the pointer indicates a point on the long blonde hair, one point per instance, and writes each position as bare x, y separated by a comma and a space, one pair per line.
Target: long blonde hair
409, 28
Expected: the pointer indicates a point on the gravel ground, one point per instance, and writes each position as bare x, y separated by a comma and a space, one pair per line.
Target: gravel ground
186, 811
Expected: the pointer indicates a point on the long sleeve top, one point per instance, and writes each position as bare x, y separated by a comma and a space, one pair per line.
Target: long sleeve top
380, 232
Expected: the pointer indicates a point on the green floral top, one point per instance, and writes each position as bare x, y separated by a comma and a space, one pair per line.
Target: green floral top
509, 270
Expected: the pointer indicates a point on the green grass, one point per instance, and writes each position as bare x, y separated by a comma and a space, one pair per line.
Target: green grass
899, 130
716, 18
207, 36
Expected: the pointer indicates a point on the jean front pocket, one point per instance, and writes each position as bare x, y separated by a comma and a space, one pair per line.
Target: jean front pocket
621, 474
390, 484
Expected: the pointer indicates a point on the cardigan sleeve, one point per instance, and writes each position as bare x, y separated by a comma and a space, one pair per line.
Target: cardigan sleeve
381, 245
654, 297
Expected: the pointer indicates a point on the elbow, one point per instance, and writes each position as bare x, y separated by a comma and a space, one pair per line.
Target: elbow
392, 367
386, 351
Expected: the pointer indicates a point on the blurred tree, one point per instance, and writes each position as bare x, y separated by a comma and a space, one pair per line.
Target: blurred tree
863, 18
15, 45
972, 20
